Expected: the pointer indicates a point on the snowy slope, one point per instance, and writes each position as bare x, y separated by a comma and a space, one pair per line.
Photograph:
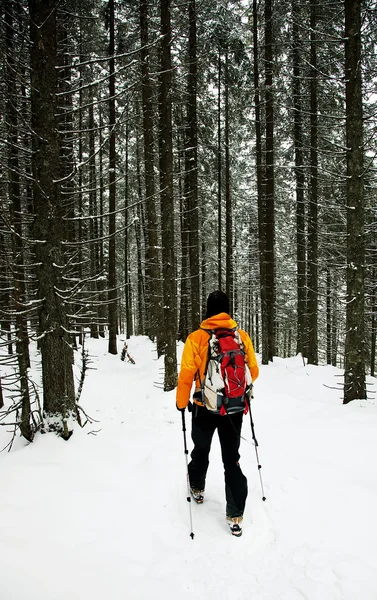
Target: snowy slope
105, 516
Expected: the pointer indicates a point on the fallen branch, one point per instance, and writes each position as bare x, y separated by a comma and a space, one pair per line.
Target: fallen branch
88, 418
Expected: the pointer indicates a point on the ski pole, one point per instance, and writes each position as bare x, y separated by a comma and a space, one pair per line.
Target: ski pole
187, 473
256, 451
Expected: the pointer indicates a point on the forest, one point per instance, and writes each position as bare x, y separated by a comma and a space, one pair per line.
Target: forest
152, 152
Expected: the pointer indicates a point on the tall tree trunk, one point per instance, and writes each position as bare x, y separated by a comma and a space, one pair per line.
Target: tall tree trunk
312, 302
80, 203
355, 356
14, 191
257, 328
167, 202
219, 178
203, 269
373, 328
140, 245
192, 168
373, 310
1, 395
101, 257
228, 202
127, 278
56, 351
260, 190
152, 270
270, 183
66, 125
112, 279
334, 324
184, 304
300, 183
328, 317
93, 223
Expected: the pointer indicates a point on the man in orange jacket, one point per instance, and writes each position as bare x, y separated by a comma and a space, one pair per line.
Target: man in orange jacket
204, 421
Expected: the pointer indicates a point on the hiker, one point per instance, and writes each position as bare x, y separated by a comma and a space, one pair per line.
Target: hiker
194, 364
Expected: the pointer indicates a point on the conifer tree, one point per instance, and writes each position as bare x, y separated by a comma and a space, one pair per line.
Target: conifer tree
48, 228
354, 375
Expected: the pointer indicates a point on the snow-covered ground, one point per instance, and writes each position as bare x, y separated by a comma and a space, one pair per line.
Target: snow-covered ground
105, 516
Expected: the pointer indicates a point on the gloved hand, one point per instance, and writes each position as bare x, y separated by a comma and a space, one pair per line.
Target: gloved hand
249, 392
189, 407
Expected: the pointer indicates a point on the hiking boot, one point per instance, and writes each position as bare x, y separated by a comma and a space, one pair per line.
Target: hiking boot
235, 524
198, 495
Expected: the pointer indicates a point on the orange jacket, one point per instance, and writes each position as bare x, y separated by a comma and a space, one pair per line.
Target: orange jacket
195, 352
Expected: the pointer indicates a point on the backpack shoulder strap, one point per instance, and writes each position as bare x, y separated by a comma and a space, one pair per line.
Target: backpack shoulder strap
240, 341
210, 334
209, 331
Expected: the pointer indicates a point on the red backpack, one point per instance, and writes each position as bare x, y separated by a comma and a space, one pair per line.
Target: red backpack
227, 379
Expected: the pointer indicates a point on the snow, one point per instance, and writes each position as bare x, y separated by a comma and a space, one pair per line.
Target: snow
105, 516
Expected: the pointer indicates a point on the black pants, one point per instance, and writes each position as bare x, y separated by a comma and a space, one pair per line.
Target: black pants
204, 424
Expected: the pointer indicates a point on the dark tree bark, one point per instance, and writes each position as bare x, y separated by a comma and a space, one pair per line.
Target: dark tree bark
93, 224
57, 356
14, 193
66, 124
219, 178
355, 354
140, 245
257, 328
270, 184
1, 395
228, 202
334, 323
328, 317
260, 189
373, 329
203, 269
300, 183
112, 279
192, 169
101, 257
312, 298
167, 203
127, 278
185, 304
79, 209
152, 269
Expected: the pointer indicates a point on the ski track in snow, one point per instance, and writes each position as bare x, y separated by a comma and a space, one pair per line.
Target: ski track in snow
105, 515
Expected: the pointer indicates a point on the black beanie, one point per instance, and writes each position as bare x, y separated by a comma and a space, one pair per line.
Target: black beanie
217, 302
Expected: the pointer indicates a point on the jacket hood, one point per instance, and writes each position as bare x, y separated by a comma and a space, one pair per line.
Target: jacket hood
219, 321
